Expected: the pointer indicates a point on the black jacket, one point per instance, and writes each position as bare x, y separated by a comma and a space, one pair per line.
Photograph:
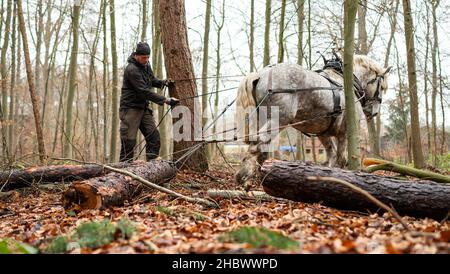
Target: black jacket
138, 80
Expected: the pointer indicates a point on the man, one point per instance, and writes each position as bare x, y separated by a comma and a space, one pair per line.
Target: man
134, 113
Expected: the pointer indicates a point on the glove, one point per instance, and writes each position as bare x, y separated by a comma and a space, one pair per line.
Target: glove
172, 102
168, 82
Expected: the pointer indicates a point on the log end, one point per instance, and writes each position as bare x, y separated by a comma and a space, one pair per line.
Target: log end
82, 195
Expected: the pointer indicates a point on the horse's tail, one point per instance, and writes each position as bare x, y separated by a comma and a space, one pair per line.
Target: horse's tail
245, 100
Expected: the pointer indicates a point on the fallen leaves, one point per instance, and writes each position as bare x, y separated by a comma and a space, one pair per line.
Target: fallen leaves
167, 225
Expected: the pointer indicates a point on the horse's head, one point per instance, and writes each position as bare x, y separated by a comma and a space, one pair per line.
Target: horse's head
373, 78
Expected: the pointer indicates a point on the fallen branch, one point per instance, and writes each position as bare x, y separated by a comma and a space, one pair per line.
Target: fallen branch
234, 194
162, 189
377, 165
365, 193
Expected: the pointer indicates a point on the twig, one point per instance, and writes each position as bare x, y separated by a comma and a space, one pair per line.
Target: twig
365, 193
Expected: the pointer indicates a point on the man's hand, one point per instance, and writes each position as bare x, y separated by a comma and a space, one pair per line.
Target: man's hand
172, 102
168, 82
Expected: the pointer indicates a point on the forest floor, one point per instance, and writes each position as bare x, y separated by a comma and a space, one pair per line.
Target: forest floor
163, 224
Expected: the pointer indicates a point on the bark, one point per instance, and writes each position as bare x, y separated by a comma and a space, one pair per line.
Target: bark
105, 84
69, 131
144, 20
179, 65
205, 64
4, 79
300, 55
267, 33
252, 36
414, 198
12, 95
434, 50
115, 87
158, 67
351, 119
15, 179
115, 189
281, 33
34, 98
412, 77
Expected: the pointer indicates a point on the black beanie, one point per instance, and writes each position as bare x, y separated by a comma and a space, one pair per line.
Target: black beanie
142, 48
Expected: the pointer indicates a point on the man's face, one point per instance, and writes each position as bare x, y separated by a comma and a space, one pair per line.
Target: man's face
142, 59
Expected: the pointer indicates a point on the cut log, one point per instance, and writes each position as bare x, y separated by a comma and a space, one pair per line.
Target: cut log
291, 180
114, 189
15, 179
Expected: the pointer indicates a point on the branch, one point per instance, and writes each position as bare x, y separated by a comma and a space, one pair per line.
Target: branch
376, 165
150, 185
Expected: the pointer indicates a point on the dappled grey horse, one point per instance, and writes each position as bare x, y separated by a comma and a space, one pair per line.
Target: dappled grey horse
313, 102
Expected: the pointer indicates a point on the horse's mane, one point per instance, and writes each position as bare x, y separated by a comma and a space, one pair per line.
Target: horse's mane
368, 63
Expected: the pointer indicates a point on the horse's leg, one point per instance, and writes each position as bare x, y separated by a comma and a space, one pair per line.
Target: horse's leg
330, 148
341, 150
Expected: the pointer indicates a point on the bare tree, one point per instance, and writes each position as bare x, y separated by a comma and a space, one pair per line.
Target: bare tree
34, 98
266, 61
115, 84
69, 129
412, 76
350, 9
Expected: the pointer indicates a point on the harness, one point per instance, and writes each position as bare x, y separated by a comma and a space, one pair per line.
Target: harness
336, 65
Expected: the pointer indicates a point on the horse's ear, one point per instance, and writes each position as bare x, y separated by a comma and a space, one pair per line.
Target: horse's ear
387, 71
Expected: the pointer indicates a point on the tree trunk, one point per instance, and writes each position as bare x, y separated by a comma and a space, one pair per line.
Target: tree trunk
435, 4
34, 98
115, 85
205, 62
114, 189
412, 76
281, 33
105, 83
425, 82
12, 95
158, 68
363, 47
69, 134
179, 66
219, 28
144, 20
441, 93
350, 110
415, 198
252, 36
266, 61
15, 179
4, 80
300, 55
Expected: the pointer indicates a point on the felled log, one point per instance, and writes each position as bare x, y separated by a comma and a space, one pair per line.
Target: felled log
15, 179
114, 189
294, 181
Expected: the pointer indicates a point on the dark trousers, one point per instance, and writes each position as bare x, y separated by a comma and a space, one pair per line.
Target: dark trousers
132, 120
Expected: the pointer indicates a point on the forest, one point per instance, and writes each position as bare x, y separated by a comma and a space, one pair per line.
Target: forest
224, 127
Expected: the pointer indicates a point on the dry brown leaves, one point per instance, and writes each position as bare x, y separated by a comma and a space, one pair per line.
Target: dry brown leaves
37, 217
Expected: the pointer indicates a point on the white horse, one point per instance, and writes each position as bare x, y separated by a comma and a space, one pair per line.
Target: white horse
313, 102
